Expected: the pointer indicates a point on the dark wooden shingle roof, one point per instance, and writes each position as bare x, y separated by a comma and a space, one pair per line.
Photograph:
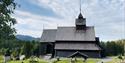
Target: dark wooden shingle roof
68, 34
77, 46
48, 35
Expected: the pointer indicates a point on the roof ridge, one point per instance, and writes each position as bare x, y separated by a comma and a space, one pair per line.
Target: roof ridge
49, 29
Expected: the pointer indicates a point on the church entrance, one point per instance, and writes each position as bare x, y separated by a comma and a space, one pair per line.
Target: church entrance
49, 48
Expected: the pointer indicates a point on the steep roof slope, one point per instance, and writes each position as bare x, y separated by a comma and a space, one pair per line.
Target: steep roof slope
48, 35
68, 34
71, 34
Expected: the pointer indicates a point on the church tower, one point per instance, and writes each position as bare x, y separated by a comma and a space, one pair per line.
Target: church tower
80, 22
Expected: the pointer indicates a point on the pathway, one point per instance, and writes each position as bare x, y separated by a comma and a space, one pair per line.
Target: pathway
105, 60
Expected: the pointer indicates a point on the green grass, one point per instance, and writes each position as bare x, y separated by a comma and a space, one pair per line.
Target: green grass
78, 61
26, 61
1, 59
18, 61
92, 60
64, 60
43, 61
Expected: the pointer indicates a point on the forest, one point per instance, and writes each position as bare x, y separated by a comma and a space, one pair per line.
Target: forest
113, 48
19, 47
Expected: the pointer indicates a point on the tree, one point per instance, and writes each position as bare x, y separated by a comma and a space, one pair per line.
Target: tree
7, 31
113, 48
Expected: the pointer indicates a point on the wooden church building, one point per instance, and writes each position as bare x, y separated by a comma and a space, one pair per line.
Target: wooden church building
66, 41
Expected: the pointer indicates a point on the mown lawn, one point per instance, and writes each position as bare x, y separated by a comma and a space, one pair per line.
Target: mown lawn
18, 61
61, 61
79, 61
90, 60
1, 59
26, 61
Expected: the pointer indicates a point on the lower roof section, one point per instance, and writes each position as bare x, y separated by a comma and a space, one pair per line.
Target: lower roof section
77, 46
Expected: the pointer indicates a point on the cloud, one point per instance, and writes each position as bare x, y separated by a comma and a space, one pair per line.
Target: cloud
107, 16
32, 24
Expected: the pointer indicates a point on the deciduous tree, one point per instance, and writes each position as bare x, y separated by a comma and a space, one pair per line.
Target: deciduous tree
7, 31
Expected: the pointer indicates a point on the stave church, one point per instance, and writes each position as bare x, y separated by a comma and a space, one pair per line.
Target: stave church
68, 41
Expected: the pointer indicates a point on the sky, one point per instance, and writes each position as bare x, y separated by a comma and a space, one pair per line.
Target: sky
108, 16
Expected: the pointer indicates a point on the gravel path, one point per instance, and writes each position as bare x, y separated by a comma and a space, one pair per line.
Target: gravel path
105, 60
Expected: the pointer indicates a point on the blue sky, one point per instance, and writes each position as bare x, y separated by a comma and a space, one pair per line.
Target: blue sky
108, 16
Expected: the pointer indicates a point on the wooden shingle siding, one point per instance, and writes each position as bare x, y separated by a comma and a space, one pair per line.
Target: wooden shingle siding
66, 53
77, 46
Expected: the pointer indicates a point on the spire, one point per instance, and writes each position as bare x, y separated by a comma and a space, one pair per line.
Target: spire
80, 6
80, 15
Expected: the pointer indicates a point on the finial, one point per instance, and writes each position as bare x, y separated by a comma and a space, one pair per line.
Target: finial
80, 5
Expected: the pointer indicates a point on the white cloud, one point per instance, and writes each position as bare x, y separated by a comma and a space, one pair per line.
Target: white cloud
107, 16
32, 24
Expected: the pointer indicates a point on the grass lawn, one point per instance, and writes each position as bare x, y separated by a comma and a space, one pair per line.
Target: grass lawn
18, 61
1, 59
63, 61
90, 60
79, 61
26, 61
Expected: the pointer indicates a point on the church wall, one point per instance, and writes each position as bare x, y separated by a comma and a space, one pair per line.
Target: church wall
66, 53
42, 48
46, 48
